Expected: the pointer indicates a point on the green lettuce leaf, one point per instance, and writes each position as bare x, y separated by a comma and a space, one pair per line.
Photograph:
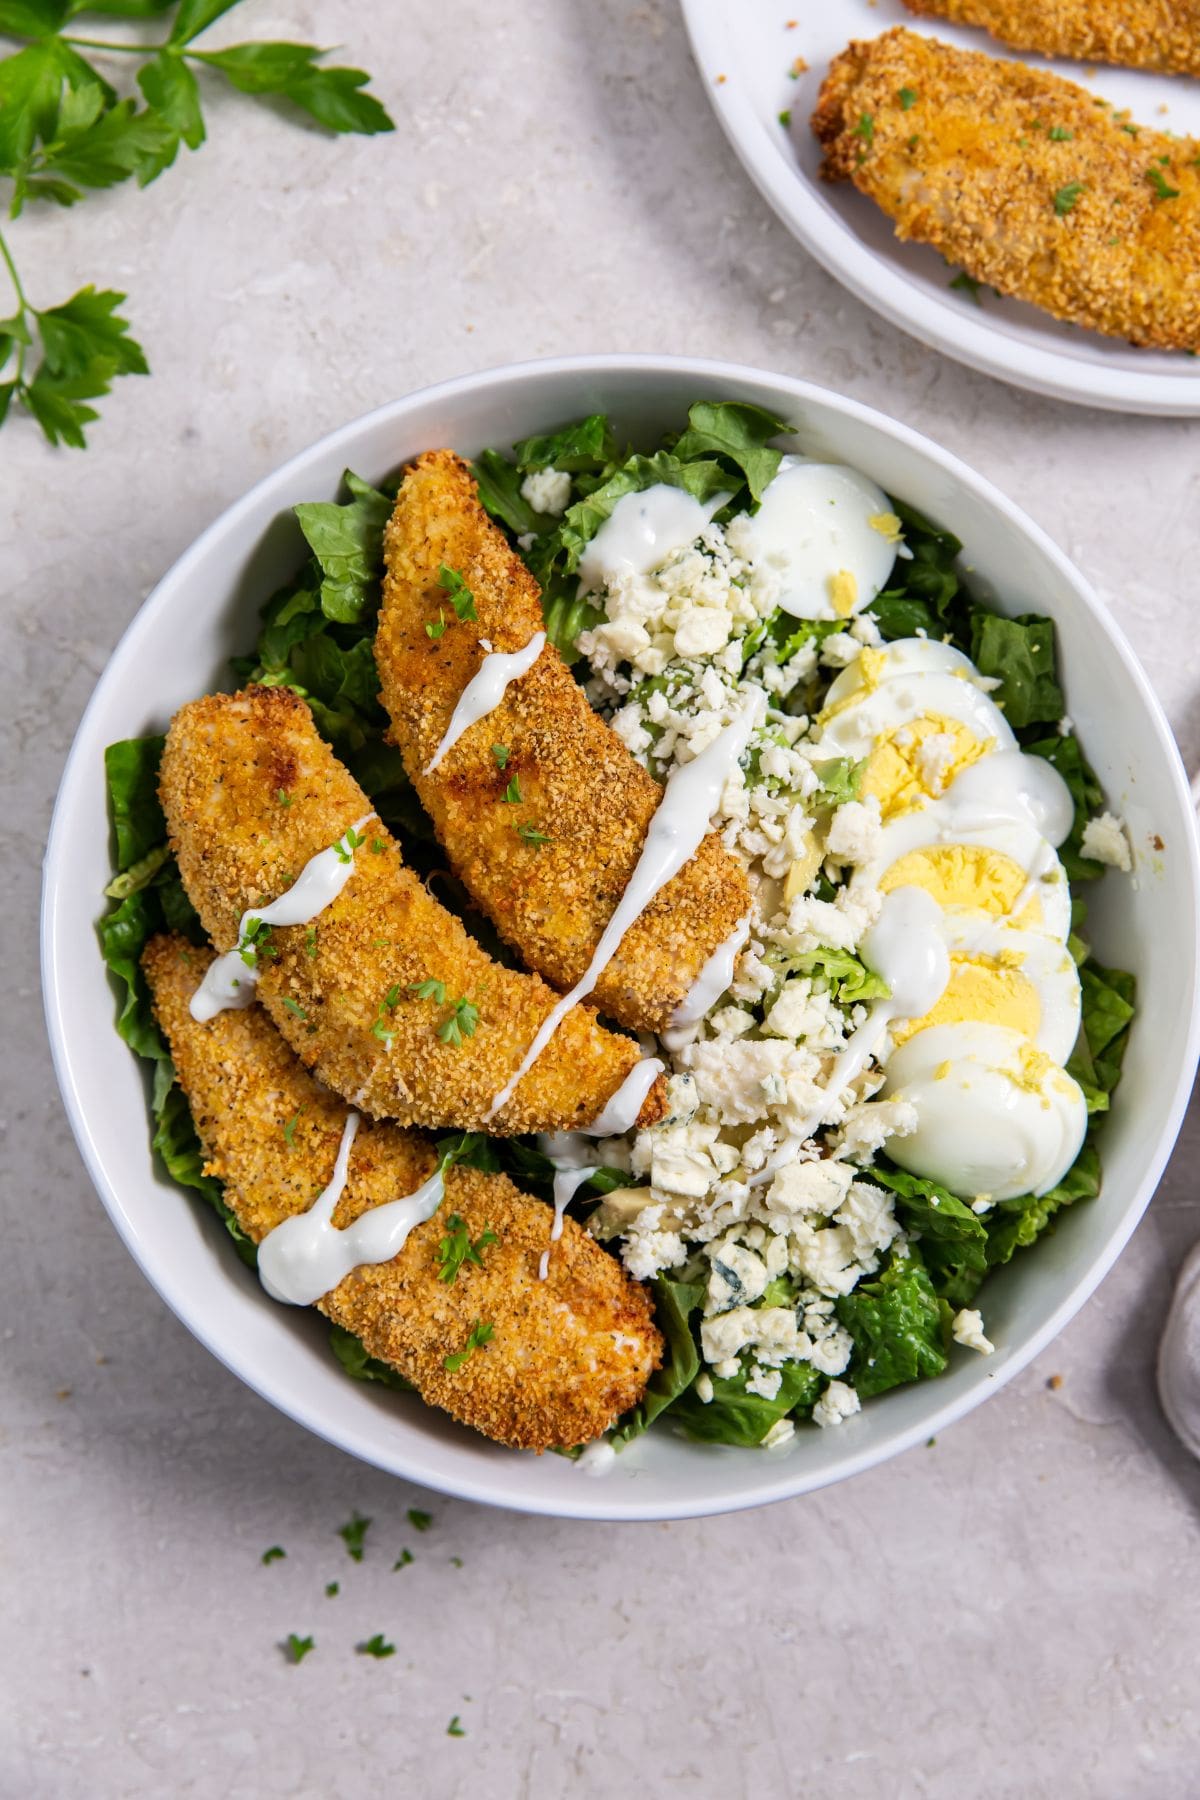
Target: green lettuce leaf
1108, 1006
848, 976
1067, 757
738, 432
925, 589
1015, 1224
953, 1238
674, 1303
1020, 654
583, 520
176, 1142
734, 1416
586, 447
131, 771
347, 541
840, 778
898, 1328
499, 484
351, 1352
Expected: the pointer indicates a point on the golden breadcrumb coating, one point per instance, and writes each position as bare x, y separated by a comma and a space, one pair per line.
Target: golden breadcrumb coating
578, 783
1141, 34
251, 792
1033, 185
567, 1355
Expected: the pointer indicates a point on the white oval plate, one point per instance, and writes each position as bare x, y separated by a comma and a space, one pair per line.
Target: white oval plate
752, 47
206, 608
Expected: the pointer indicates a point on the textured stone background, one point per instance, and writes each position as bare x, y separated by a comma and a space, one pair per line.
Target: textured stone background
1012, 1612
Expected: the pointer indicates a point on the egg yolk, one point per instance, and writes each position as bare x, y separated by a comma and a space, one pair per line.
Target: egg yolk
985, 990
972, 877
917, 761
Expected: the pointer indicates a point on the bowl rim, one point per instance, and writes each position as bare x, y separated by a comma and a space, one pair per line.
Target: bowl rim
887, 290
586, 1500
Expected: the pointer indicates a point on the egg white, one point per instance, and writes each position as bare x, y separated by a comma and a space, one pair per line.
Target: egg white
814, 523
937, 825
1043, 963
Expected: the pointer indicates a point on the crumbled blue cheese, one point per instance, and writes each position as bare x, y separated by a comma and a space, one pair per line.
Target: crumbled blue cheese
854, 832
967, 1328
1105, 839
838, 1402
547, 491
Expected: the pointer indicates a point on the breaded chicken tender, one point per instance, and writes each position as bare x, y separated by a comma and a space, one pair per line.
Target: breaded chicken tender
577, 783
369, 995
567, 1355
1030, 183
1141, 34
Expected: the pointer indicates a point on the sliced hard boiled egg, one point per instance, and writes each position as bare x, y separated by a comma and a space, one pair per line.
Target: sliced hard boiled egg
1021, 980
829, 534
996, 1116
1007, 872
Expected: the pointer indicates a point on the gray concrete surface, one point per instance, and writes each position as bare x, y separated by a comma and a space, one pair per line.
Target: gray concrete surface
1010, 1612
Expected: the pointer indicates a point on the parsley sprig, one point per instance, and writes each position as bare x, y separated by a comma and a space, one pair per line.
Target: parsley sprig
463, 1017
65, 131
456, 1248
481, 1334
457, 592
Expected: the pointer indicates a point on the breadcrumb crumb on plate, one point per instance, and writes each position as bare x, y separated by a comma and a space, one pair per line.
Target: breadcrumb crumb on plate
907, 282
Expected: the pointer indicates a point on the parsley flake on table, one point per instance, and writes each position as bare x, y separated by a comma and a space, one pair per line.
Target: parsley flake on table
332, 1588
1067, 198
298, 1647
376, 1646
455, 1727
352, 1534
481, 1334
420, 1521
457, 592
274, 1553
402, 1561
456, 1248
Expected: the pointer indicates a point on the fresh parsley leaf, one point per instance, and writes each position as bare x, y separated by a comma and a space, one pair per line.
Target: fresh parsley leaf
332, 1589
435, 631
463, 1020
533, 836
402, 1561
1059, 134
420, 1521
455, 1727
350, 841
865, 129
1067, 198
966, 284
195, 16
86, 333
512, 793
1162, 187
274, 1553
500, 755
907, 98
377, 1646
294, 1007
459, 594
289, 1131
480, 1335
456, 1248
298, 1647
352, 1534
174, 93
429, 990
331, 95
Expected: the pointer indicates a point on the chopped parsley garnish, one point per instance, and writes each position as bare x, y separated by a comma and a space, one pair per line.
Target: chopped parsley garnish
512, 793
1162, 187
500, 753
332, 1589
1131, 129
310, 941
377, 846
384, 1032
865, 129
455, 1727
435, 631
255, 942
459, 594
967, 284
381, 1029
456, 1248
429, 990
456, 1561
298, 1647
289, 1138
481, 1334
464, 1017
347, 844
533, 836
785, 118
420, 1521
402, 1561
907, 98
1067, 198
1060, 135
284, 798
377, 1646
352, 1534
294, 1006
274, 1553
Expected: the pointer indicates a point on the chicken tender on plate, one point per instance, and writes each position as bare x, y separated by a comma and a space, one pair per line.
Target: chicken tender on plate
566, 1355
1030, 183
542, 760
1141, 34
385, 996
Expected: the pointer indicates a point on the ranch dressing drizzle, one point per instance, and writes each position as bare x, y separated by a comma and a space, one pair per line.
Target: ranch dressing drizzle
905, 947
1006, 787
485, 690
571, 1154
230, 981
642, 531
304, 1257
691, 796
707, 988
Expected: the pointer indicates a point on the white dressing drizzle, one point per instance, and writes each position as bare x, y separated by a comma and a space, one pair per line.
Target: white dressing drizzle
691, 796
597, 1459
304, 1257
905, 946
1007, 787
707, 988
642, 531
229, 981
572, 1154
621, 1111
486, 689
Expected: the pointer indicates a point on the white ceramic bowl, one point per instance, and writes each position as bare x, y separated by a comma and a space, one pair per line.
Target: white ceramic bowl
205, 609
